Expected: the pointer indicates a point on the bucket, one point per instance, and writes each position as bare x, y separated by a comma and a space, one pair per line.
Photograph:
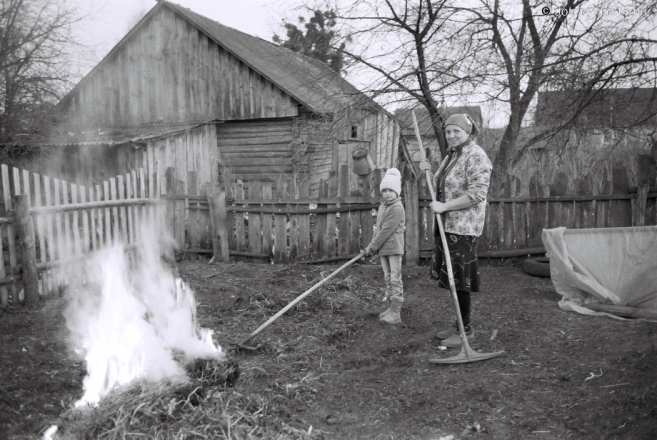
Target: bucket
363, 164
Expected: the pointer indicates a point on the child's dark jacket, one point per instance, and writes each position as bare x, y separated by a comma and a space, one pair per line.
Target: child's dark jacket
390, 223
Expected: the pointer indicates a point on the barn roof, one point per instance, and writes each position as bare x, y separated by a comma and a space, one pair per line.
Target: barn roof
308, 81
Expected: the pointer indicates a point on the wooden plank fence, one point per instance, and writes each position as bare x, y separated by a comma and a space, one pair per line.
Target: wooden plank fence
46, 225
277, 222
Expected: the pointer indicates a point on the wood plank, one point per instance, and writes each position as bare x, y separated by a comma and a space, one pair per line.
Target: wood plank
180, 209
116, 233
344, 233
304, 223
620, 211
85, 220
280, 225
330, 233
354, 224
135, 210
267, 220
59, 227
11, 231
293, 236
501, 219
640, 206
144, 215
319, 230
129, 195
50, 235
75, 222
240, 234
107, 216
255, 226
93, 227
123, 217
67, 221
39, 226
193, 215
265, 163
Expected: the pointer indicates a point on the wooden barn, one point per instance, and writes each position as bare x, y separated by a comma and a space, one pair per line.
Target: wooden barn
183, 91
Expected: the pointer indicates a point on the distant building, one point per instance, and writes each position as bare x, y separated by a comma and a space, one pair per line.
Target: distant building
611, 108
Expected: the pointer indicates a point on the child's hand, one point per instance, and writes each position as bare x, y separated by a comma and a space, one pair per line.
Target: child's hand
425, 165
368, 251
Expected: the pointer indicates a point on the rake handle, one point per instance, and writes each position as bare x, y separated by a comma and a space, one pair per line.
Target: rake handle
300, 297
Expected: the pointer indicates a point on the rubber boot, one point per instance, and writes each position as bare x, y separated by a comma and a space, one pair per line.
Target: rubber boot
386, 311
449, 331
455, 340
394, 315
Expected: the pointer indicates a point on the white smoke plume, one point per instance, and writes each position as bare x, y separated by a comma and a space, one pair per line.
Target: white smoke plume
131, 317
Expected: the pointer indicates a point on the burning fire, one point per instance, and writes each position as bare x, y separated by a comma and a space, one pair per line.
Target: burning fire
133, 318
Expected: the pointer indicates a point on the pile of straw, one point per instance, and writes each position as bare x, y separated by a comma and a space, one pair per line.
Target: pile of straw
200, 407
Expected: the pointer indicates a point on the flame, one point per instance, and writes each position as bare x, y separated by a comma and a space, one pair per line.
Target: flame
128, 320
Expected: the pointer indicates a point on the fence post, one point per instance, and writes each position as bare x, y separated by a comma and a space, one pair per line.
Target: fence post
411, 202
28, 251
217, 202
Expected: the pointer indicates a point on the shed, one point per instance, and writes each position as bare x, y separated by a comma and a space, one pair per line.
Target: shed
183, 91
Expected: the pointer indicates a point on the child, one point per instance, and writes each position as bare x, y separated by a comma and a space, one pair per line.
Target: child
388, 242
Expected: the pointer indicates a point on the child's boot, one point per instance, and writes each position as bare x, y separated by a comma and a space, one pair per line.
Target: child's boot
394, 313
386, 299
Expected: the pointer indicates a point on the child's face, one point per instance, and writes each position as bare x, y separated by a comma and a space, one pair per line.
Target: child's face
388, 194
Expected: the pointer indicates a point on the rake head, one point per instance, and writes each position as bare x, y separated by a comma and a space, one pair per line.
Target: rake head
466, 355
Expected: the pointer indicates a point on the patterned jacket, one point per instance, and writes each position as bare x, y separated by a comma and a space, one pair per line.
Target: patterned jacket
469, 175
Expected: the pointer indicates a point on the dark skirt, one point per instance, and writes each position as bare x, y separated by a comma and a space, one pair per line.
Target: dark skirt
465, 265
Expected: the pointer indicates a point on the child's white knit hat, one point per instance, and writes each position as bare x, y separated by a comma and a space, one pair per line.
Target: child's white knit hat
392, 180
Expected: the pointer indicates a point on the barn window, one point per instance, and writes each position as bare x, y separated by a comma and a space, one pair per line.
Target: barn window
354, 131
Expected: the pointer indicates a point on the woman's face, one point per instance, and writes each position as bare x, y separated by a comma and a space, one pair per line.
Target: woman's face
455, 135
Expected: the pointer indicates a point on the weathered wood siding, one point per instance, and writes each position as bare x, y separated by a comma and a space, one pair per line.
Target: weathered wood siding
167, 70
331, 143
193, 151
261, 150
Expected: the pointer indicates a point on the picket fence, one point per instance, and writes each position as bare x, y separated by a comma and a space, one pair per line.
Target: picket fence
61, 223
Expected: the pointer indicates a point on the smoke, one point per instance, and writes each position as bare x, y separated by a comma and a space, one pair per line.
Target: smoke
130, 317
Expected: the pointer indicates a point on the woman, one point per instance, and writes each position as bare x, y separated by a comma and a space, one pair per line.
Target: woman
462, 185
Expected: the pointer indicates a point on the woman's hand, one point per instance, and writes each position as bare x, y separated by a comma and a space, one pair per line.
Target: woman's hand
425, 165
438, 207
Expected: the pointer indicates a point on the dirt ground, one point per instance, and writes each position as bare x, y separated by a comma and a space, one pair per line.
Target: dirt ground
331, 365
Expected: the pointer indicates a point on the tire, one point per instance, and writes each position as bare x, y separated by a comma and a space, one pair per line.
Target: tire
538, 267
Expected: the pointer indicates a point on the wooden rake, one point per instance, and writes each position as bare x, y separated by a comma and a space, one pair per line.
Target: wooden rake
467, 354
242, 343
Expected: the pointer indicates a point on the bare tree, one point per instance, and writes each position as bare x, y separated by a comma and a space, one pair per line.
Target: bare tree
35, 44
577, 46
414, 51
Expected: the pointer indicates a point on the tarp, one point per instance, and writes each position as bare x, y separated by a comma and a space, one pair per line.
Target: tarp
607, 265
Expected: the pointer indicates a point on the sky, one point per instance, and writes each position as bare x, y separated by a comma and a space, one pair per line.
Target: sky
107, 21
